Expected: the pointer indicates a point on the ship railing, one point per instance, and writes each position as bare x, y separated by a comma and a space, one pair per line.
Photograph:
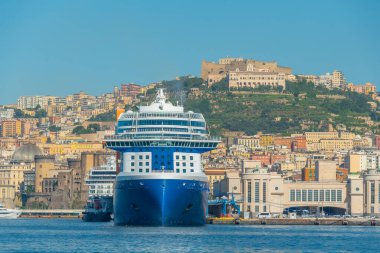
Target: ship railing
162, 171
174, 137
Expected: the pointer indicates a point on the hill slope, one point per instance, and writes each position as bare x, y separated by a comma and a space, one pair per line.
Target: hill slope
302, 107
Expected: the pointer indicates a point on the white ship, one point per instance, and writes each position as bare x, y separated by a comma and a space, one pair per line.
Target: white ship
6, 213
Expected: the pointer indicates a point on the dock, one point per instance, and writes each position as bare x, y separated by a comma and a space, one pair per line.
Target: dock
297, 221
52, 213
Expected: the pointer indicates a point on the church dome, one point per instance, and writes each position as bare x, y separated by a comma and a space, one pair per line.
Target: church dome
26, 153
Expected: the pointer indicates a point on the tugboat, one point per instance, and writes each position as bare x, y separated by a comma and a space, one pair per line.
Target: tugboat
98, 209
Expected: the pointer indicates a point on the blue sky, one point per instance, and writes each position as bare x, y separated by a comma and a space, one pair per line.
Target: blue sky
61, 47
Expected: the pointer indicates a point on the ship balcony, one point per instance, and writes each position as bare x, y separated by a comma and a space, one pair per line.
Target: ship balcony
160, 137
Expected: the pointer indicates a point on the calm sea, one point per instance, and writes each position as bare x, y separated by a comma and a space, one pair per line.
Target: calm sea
49, 235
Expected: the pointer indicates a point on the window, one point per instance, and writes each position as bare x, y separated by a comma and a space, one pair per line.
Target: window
177, 164
303, 195
177, 170
146, 163
177, 157
264, 192
183, 157
333, 195
257, 209
339, 196
372, 193
191, 157
257, 192
191, 164
298, 195
140, 157
147, 157
140, 163
191, 170
310, 195
132, 157
184, 170
146, 170
140, 170
249, 192
292, 195
316, 195
321, 195
327, 195
132, 164
183, 164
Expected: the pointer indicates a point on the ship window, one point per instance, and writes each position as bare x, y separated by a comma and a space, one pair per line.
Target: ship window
140, 164
132, 163
140, 157
183, 164
191, 164
192, 170
177, 157
140, 170
147, 157
147, 163
132, 157
177, 170
132, 169
183, 157
191, 157
184, 170
177, 163
147, 170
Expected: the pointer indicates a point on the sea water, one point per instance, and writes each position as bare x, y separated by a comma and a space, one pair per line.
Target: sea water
74, 235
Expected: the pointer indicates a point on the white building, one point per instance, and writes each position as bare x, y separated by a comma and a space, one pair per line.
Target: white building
7, 113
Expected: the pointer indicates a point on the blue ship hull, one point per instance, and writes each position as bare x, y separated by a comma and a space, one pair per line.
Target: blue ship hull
160, 202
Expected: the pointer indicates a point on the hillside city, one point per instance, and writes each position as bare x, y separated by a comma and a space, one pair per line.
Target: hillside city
288, 140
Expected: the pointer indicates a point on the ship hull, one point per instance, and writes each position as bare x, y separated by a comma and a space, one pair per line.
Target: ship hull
160, 201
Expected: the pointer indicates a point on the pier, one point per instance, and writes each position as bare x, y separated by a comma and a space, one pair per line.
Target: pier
298, 221
52, 213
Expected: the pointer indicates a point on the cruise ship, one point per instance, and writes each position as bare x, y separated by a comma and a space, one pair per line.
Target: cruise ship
161, 180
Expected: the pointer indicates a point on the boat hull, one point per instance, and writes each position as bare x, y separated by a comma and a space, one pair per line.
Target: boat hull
140, 201
10, 215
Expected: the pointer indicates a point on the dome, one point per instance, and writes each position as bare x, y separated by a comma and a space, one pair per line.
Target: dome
26, 153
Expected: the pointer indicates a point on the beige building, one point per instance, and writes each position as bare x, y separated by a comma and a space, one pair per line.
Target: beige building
251, 79
11, 177
44, 168
264, 191
213, 72
338, 80
251, 142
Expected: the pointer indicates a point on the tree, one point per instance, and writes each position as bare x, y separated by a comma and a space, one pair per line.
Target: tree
79, 130
93, 128
54, 128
